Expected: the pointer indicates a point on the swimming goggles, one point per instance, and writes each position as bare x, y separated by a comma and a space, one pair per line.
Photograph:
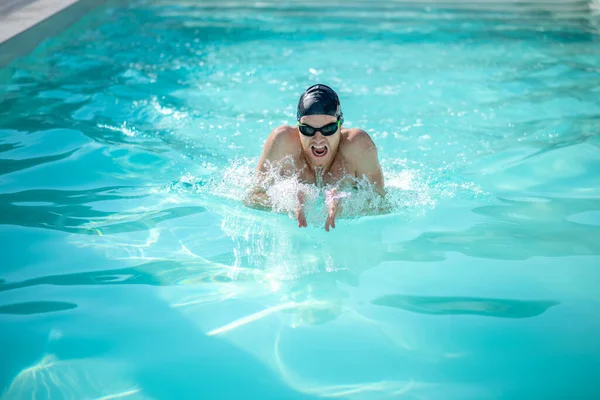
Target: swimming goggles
326, 130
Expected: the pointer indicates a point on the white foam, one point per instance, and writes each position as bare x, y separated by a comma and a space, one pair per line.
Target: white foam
408, 191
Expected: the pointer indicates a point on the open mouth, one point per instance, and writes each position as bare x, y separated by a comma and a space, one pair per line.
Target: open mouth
319, 151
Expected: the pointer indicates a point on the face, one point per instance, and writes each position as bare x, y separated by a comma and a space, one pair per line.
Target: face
319, 150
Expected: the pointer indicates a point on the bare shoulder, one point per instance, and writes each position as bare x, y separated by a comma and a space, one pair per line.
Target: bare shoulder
283, 137
283, 131
356, 141
360, 150
282, 141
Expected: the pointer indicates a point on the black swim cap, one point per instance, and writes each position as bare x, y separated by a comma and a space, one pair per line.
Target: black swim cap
320, 99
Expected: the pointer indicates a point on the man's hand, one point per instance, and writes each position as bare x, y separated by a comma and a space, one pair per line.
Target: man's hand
257, 200
333, 208
300, 211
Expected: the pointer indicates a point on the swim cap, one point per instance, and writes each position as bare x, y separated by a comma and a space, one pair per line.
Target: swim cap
320, 99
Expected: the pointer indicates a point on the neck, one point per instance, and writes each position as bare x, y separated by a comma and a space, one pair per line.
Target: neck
319, 170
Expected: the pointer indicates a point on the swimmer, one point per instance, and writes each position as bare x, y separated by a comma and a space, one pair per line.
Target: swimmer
322, 151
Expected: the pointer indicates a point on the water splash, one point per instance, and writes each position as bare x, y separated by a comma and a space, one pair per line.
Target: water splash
272, 241
407, 190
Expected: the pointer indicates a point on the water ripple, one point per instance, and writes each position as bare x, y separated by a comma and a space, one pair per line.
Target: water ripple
8, 166
500, 308
127, 149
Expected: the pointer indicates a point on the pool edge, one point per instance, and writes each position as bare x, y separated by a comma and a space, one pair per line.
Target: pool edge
35, 26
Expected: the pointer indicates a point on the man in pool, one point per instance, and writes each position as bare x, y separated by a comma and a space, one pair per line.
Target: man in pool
322, 150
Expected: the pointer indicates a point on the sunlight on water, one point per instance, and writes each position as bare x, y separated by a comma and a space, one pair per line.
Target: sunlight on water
70, 379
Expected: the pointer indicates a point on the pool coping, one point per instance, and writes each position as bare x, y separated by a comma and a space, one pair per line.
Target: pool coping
23, 14
29, 22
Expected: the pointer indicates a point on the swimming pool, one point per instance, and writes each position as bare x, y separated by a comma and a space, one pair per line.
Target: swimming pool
130, 267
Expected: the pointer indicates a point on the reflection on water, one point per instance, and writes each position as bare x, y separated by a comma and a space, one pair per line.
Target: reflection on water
465, 305
72, 379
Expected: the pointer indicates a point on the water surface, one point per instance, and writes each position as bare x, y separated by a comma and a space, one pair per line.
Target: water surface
131, 268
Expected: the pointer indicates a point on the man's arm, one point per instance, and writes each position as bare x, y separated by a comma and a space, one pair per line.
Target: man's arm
369, 167
366, 158
278, 145
360, 151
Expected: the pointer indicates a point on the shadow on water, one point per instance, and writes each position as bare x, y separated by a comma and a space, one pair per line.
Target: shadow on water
36, 307
122, 276
514, 230
8, 166
152, 273
70, 211
8, 147
436, 305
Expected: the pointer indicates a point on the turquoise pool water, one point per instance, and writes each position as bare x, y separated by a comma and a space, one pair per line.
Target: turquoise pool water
131, 269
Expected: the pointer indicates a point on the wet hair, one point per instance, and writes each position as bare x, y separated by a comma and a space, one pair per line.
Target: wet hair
320, 99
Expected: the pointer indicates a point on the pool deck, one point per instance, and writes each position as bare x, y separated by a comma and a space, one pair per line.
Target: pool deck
17, 16
24, 24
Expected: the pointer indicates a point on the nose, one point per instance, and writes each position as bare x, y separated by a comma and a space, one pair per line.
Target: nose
319, 136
